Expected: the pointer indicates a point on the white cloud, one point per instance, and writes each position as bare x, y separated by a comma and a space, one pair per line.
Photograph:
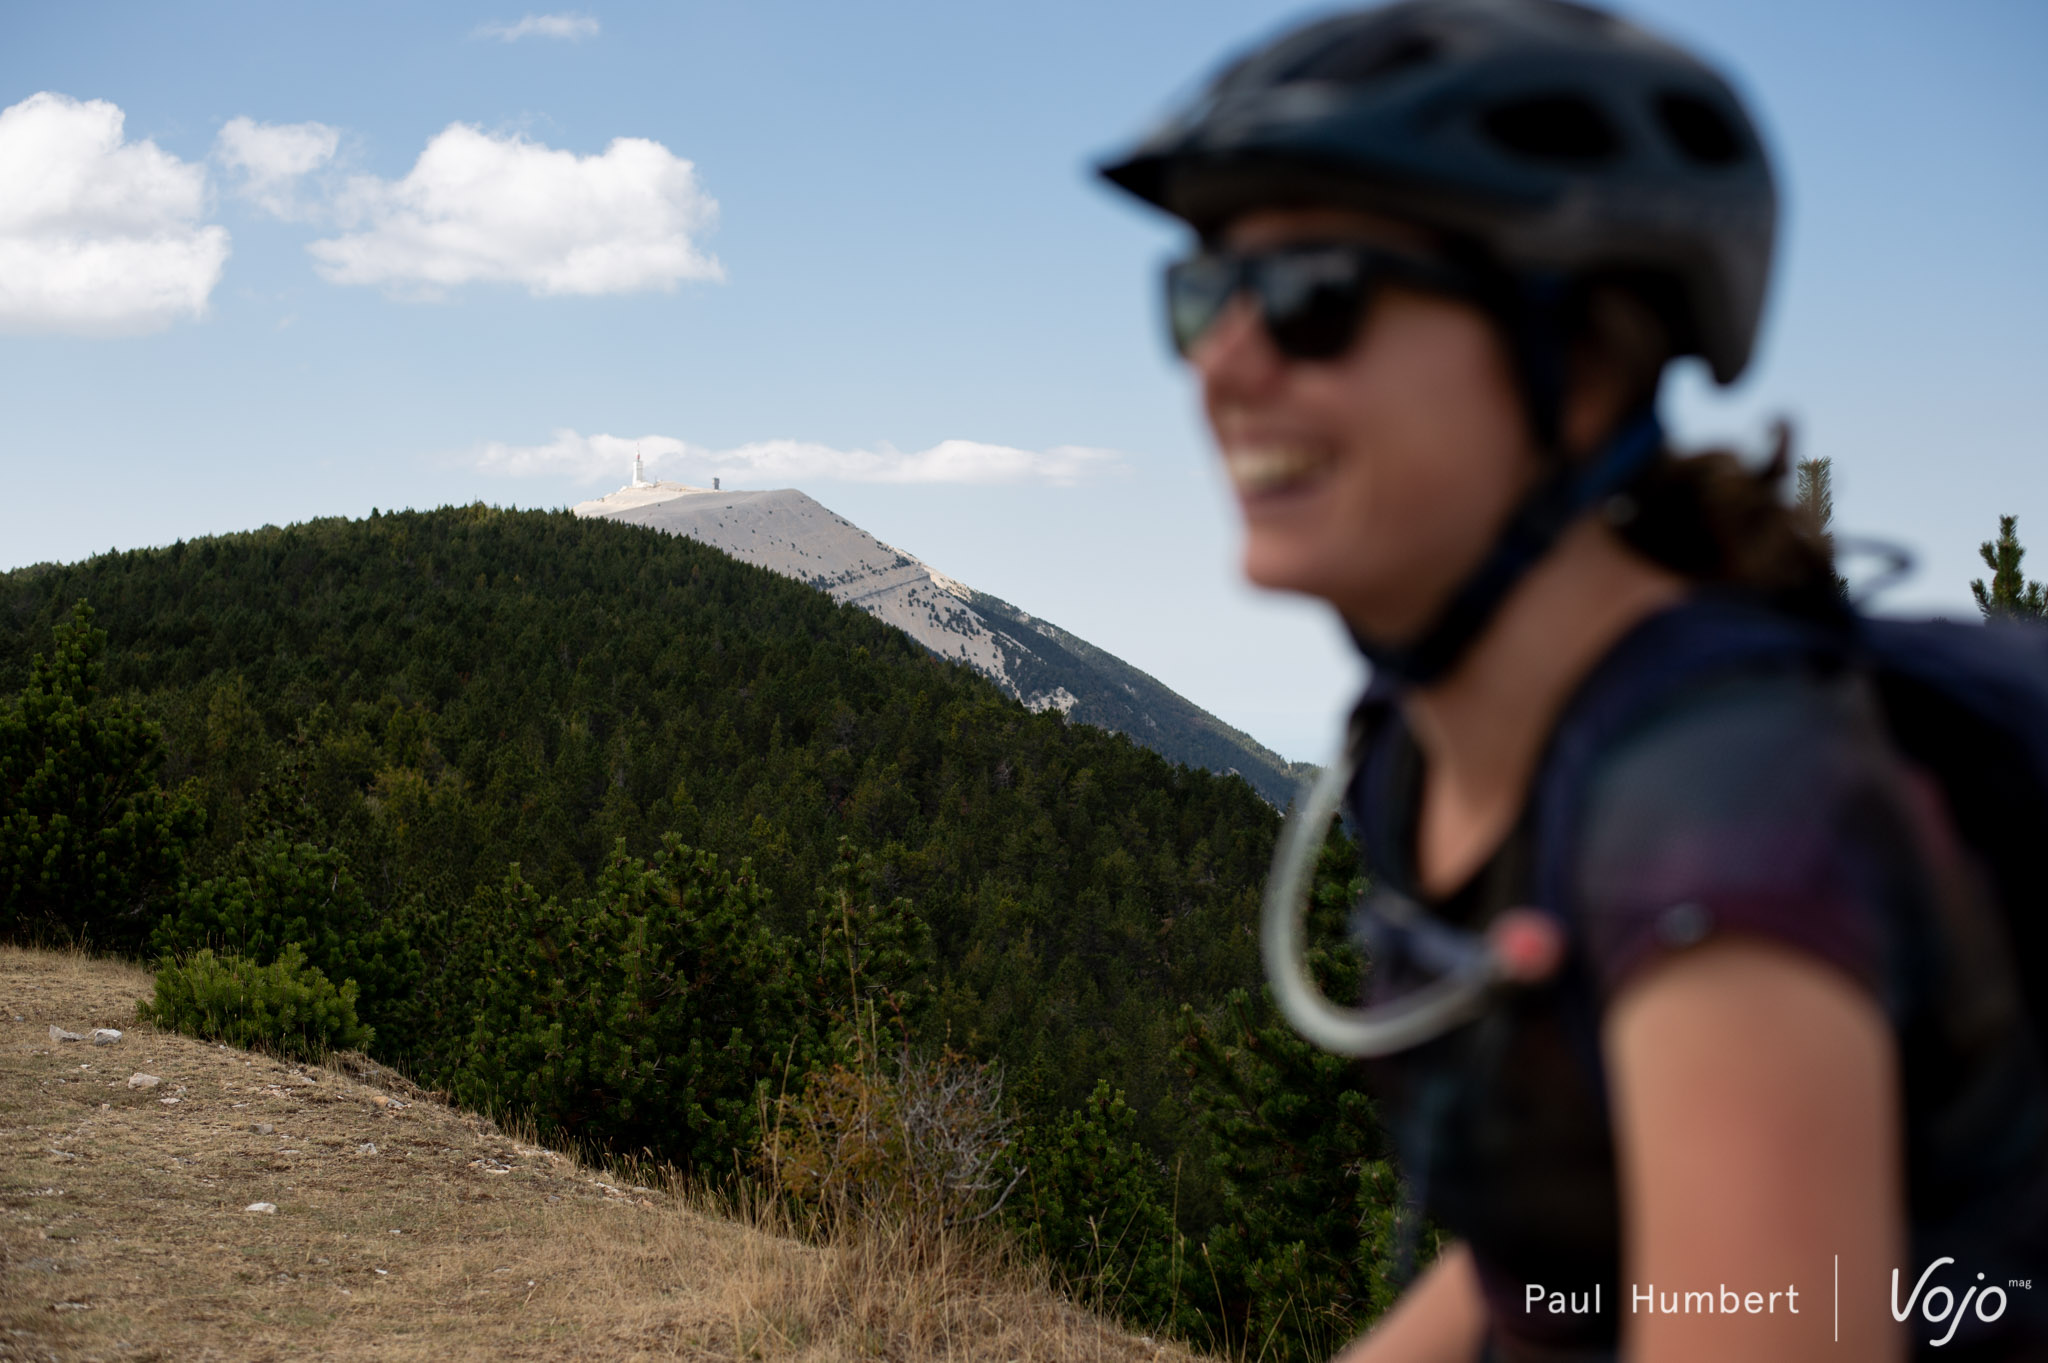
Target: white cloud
272, 157
502, 209
572, 27
595, 458
98, 235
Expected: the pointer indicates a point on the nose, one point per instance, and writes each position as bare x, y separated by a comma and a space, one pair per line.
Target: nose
1236, 359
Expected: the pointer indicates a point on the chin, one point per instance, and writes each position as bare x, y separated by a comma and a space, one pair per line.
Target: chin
1285, 568
1374, 607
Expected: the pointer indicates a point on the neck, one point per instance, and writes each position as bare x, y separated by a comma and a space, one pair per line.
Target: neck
1482, 729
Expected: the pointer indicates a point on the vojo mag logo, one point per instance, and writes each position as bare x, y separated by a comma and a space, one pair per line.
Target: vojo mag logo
1950, 1310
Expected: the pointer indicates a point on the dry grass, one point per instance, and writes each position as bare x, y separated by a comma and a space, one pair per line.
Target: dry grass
124, 1234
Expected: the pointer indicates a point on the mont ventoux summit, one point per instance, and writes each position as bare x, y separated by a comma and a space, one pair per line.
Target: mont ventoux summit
1036, 662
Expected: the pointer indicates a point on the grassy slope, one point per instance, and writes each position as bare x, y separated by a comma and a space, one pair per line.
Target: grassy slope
124, 1234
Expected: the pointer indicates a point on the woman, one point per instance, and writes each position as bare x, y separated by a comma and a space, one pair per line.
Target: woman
1446, 250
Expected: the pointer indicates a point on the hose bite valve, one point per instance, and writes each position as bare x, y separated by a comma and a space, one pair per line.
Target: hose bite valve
1523, 946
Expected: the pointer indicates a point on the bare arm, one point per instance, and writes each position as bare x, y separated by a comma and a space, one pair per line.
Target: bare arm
1441, 1319
1756, 1113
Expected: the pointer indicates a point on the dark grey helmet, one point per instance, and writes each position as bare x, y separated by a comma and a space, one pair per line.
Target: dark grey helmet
1553, 137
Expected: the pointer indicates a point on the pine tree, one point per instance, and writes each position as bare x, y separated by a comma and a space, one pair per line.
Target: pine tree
2010, 596
275, 894
1815, 493
870, 961
651, 1014
89, 843
1814, 497
1317, 1236
1094, 1204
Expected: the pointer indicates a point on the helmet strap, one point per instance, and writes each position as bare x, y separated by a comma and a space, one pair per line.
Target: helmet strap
1533, 313
1565, 493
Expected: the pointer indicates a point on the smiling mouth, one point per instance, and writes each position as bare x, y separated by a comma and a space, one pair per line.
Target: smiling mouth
1262, 471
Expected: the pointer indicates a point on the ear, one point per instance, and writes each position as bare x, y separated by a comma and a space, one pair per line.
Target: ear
1619, 348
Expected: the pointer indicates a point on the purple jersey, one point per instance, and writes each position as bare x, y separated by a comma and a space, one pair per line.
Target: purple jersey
1768, 804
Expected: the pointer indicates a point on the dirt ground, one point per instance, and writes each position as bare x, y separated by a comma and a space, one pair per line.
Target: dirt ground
404, 1229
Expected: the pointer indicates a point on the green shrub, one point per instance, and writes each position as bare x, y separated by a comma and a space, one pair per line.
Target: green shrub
274, 891
286, 1006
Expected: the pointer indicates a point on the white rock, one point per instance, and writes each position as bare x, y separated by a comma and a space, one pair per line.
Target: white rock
172, 1098
59, 1034
104, 1036
265, 1207
262, 1128
143, 1081
366, 1149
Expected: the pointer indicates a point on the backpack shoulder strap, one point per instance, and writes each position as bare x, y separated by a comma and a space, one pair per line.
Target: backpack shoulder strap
1707, 636
1381, 747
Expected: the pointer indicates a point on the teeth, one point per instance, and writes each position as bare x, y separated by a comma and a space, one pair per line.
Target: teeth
1263, 470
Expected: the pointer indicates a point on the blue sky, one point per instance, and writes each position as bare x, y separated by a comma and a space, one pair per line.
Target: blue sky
885, 238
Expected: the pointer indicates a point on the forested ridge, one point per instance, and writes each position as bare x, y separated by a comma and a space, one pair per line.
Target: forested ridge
605, 827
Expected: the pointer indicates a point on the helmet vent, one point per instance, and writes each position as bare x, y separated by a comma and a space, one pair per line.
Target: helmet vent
1553, 128
1699, 129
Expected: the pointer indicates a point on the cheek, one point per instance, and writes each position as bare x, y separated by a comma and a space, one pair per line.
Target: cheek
1436, 400
1433, 455
1437, 421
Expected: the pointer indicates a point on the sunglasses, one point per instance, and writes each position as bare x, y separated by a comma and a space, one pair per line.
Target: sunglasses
1311, 296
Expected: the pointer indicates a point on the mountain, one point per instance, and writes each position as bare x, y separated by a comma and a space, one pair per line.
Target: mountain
1033, 660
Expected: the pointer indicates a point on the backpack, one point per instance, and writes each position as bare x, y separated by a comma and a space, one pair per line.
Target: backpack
1966, 703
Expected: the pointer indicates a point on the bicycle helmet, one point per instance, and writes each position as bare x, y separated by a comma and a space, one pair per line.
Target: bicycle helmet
1555, 139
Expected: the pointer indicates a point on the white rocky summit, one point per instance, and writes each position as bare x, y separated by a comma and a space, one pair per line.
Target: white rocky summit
787, 532
1032, 660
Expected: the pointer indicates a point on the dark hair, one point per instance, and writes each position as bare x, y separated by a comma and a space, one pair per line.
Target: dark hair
1707, 516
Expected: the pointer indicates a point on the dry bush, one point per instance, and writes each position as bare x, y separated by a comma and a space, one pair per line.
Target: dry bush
922, 1144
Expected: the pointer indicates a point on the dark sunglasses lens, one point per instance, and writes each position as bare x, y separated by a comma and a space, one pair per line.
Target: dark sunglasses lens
1196, 291
1312, 301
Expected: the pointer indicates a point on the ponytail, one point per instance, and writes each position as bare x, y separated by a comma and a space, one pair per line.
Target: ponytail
1706, 516
1713, 520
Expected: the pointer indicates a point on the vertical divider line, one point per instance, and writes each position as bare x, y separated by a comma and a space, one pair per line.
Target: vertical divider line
1838, 1299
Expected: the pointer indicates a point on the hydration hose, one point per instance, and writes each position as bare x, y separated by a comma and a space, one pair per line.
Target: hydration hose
1523, 945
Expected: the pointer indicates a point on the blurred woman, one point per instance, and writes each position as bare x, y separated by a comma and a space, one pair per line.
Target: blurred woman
1713, 1095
